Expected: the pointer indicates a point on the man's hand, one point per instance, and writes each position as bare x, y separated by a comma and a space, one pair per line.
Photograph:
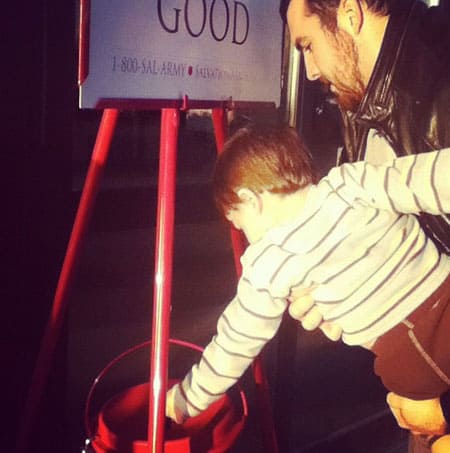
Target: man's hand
302, 309
442, 445
419, 416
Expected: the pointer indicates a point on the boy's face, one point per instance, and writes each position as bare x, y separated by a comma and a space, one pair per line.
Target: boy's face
247, 216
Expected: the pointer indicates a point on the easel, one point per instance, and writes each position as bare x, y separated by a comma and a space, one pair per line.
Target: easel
170, 114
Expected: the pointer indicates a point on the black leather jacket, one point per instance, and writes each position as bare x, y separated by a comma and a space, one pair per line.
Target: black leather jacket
408, 96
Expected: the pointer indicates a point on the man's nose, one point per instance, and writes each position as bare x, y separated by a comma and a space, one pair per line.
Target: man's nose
312, 71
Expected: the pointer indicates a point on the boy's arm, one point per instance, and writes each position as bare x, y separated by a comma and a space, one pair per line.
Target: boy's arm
242, 331
410, 184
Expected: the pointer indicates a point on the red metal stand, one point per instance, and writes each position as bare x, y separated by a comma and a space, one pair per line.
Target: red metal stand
54, 323
238, 242
163, 278
162, 282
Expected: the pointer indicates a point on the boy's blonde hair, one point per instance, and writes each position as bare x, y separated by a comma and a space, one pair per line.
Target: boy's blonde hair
264, 158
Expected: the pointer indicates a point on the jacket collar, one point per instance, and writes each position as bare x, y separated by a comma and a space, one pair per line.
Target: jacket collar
376, 104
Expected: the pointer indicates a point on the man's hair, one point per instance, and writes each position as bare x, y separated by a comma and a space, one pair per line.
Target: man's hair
326, 9
261, 158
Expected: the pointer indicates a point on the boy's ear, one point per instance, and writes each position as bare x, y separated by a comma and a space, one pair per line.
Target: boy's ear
350, 16
249, 197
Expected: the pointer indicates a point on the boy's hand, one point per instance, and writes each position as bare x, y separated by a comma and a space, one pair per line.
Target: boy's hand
171, 409
418, 416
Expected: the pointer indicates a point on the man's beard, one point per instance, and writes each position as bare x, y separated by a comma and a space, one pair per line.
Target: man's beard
346, 84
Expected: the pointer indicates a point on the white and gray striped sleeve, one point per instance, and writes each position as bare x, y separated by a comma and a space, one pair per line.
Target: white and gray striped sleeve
242, 331
427, 177
410, 184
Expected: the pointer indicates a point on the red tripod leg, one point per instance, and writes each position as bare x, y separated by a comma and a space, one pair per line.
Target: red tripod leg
163, 278
54, 323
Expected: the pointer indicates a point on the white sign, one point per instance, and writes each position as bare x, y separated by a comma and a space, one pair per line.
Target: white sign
207, 50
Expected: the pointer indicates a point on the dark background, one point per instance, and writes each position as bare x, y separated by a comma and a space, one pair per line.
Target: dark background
320, 400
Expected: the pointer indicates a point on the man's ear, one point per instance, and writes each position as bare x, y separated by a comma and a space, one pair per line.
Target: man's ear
350, 16
249, 197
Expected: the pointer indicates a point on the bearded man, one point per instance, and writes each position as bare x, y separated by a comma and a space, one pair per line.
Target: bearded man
387, 62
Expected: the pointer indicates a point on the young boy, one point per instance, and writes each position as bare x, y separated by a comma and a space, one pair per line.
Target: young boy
352, 237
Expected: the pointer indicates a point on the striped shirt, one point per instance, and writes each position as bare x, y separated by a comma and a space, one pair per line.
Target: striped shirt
373, 266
